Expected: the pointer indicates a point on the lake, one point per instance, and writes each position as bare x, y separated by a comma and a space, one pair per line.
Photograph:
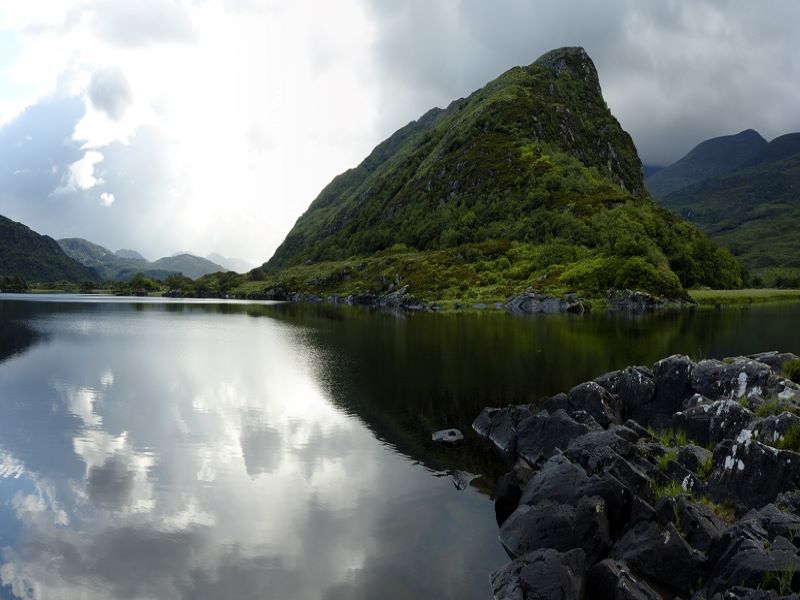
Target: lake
157, 448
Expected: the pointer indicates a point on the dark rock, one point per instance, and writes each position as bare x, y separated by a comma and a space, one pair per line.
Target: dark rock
499, 427
714, 422
698, 524
637, 429
693, 457
558, 526
448, 437
752, 474
631, 301
609, 381
774, 427
540, 435
744, 558
774, 359
589, 397
636, 391
541, 575
532, 304
641, 511
506, 496
672, 377
732, 380
560, 480
597, 449
661, 554
612, 580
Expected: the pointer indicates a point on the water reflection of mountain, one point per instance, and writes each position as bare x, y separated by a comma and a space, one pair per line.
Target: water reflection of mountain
15, 338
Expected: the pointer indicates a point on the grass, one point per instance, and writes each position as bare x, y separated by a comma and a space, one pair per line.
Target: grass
704, 470
667, 458
723, 511
780, 581
669, 490
789, 441
743, 297
791, 370
669, 437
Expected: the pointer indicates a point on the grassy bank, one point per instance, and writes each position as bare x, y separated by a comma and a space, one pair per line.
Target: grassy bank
743, 297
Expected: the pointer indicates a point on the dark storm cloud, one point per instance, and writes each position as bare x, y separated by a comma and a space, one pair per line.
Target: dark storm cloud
673, 73
110, 92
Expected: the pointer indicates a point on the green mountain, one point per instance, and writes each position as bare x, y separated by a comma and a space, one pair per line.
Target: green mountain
754, 210
188, 264
708, 159
112, 266
528, 182
36, 258
128, 253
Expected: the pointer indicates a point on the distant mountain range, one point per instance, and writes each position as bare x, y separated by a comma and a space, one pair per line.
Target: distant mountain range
744, 192
113, 266
37, 258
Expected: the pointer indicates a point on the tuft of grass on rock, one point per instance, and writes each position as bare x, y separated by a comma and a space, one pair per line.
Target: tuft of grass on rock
791, 370
669, 490
666, 458
669, 437
790, 440
723, 511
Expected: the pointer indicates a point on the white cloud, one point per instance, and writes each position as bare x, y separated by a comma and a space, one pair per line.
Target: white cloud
106, 199
81, 175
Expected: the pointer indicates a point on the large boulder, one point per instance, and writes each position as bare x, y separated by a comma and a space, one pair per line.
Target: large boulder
662, 554
545, 574
673, 379
542, 434
636, 391
589, 397
558, 526
699, 525
752, 474
499, 427
560, 480
715, 421
773, 428
733, 380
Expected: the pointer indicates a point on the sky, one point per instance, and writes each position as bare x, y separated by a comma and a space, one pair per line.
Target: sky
211, 125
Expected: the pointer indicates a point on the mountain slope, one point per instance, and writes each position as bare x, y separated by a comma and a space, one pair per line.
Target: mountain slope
111, 266
128, 253
755, 211
191, 266
534, 157
36, 258
708, 159
237, 265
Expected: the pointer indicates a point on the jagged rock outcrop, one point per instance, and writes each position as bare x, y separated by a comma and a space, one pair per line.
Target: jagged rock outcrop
597, 506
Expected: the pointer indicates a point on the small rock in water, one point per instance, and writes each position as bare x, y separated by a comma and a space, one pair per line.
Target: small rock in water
448, 437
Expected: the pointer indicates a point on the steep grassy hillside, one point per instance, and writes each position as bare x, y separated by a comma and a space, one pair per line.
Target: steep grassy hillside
534, 158
708, 159
36, 258
754, 211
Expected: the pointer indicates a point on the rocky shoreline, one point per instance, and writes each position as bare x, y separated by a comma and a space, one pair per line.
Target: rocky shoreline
679, 480
527, 303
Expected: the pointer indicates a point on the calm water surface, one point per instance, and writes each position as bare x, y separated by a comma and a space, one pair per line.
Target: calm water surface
153, 449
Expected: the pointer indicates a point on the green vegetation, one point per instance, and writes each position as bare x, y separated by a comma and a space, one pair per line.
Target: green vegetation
791, 370
780, 581
535, 159
789, 441
669, 490
744, 208
704, 470
669, 437
773, 406
666, 458
743, 297
36, 258
13, 284
723, 511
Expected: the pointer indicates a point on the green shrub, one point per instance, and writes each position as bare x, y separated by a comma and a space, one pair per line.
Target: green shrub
791, 370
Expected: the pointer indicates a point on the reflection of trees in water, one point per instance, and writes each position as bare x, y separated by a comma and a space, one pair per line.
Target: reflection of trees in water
406, 376
15, 338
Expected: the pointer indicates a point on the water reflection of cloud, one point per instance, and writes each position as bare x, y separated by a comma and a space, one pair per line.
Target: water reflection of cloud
213, 465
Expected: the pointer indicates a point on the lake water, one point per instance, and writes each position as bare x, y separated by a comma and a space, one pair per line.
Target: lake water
180, 449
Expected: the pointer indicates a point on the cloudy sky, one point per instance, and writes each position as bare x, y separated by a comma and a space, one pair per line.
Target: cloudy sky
210, 125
